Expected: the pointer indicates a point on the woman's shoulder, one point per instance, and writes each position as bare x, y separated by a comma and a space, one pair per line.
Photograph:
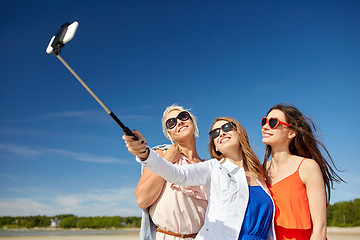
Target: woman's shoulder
301, 163
308, 164
309, 170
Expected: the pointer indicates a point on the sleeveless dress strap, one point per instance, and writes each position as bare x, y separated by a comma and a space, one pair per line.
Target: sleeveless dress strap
300, 164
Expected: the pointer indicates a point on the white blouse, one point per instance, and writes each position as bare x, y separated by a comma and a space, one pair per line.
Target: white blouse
226, 189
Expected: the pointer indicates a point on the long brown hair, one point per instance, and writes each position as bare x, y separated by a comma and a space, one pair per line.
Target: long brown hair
250, 159
305, 144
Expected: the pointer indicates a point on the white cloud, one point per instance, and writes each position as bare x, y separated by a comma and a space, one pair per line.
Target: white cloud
27, 152
69, 201
107, 202
84, 156
9, 177
346, 191
19, 150
101, 202
341, 195
23, 207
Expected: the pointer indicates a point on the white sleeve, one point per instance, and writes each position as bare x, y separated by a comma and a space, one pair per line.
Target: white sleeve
185, 175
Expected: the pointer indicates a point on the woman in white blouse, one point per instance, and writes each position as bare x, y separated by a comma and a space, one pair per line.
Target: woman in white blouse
233, 180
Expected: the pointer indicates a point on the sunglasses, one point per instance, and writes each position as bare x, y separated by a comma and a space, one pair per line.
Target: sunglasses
227, 127
171, 122
273, 122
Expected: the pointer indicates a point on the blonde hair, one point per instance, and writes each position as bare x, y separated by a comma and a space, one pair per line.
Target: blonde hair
179, 108
250, 159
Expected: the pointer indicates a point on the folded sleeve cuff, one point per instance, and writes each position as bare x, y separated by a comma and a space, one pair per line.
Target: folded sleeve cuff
152, 155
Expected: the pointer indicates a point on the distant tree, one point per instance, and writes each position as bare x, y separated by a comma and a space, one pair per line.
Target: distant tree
356, 210
344, 214
62, 216
44, 221
68, 222
7, 221
83, 222
132, 222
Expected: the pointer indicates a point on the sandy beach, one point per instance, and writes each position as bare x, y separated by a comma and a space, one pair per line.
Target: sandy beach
333, 234
73, 235
96, 237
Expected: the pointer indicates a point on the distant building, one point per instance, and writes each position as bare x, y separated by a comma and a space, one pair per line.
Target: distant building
55, 222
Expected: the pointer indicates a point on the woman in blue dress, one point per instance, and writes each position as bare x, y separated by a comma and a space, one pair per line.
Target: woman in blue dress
239, 204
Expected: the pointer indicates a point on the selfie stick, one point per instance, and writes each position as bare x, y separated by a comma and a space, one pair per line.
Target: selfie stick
57, 42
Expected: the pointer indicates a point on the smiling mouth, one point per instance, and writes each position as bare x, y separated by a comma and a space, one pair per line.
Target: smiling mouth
225, 139
182, 128
267, 135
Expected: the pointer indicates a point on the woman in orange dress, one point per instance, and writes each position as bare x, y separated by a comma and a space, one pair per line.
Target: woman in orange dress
298, 175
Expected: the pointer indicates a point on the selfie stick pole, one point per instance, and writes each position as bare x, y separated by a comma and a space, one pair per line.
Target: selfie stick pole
65, 34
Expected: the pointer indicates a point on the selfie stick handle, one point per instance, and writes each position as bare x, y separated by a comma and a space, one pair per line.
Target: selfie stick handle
125, 129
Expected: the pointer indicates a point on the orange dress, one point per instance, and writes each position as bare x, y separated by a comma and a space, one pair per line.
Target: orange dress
292, 212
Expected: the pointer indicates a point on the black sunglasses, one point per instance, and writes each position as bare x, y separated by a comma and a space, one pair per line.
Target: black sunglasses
227, 127
171, 122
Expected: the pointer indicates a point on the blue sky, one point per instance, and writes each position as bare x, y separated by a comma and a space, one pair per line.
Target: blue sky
59, 151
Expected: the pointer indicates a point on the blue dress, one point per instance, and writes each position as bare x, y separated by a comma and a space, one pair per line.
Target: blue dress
258, 215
